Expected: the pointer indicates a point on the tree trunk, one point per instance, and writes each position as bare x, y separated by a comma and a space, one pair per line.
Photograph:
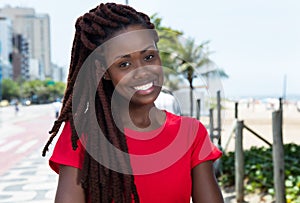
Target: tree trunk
191, 102
190, 79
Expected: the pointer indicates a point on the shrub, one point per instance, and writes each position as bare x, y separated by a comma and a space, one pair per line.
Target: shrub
259, 171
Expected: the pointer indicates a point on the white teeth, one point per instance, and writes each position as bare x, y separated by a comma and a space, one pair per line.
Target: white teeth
144, 87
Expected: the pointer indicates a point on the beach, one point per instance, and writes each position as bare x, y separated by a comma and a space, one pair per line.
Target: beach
258, 117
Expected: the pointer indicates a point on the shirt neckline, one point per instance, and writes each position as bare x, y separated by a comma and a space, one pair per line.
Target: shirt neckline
146, 135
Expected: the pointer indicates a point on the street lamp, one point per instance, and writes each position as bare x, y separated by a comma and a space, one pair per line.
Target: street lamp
126, 2
0, 79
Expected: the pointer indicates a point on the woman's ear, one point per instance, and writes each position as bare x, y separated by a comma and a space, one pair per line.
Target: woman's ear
101, 70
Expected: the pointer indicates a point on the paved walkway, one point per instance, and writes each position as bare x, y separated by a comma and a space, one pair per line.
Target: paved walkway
24, 174
30, 180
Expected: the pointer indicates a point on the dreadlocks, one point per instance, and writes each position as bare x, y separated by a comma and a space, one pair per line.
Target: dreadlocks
100, 183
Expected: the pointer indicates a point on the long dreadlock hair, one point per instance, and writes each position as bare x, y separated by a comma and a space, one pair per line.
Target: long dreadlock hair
100, 183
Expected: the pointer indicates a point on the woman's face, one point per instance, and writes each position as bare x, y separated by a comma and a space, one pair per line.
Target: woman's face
134, 65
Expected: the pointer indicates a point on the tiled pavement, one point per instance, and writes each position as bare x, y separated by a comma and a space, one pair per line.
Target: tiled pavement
25, 175
30, 180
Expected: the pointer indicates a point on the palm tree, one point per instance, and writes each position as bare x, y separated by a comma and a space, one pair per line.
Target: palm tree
192, 59
167, 44
182, 57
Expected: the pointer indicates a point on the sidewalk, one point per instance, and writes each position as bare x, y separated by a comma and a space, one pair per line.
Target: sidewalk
30, 180
25, 175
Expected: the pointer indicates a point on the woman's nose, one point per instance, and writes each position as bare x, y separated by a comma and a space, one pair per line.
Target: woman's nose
140, 72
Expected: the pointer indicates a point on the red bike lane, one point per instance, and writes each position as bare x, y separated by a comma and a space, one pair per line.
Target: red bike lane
33, 134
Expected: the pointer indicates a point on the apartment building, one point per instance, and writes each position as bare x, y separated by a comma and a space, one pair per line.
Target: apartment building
35, 31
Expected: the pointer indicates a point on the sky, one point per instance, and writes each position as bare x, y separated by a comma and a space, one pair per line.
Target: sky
257, 43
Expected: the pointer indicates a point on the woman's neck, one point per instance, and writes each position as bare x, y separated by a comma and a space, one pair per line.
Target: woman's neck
142, 118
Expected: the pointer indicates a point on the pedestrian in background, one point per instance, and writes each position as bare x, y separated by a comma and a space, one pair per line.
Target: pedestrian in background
16, 107
116, 145
57, 106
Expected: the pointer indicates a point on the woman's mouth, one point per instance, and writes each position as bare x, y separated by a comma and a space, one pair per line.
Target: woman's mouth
143, 87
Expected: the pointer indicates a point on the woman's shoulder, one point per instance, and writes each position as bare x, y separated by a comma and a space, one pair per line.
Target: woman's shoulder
174, 118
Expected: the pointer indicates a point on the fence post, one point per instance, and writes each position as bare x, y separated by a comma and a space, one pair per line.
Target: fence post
236, 110
219, 128
239, 162
280, 103
198, 109
211, 122
278, 157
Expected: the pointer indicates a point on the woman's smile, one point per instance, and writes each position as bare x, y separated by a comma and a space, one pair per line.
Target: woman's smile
143, 87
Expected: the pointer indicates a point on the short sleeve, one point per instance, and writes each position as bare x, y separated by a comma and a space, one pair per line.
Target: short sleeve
63, 153
203, 149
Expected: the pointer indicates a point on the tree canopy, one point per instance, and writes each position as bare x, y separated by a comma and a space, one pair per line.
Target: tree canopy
37, 91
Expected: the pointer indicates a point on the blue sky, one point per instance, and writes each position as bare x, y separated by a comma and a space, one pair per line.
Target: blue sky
256, 42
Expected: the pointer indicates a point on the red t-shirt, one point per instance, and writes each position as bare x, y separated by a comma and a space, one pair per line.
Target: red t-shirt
161, 159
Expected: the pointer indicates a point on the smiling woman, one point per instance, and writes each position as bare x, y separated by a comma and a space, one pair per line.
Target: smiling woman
134, 68
116, 145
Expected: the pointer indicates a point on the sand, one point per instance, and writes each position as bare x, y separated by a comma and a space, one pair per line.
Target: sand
258, 117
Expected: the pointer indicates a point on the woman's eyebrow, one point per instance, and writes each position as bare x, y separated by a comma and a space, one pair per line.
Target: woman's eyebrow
150, 47
122, 56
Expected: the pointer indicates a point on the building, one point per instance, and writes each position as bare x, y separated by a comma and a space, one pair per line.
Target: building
34, 70
35, 28
6, 47
20, 58
59, 73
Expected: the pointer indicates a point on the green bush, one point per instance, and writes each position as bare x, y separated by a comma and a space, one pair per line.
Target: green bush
259, 171
10, 89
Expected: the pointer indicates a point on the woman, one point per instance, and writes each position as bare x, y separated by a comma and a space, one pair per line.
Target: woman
116, 146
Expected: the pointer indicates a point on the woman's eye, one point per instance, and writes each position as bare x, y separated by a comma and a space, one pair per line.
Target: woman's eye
124, 64
149, 57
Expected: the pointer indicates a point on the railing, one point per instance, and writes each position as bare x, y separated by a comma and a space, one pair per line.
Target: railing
215, 132
277, 154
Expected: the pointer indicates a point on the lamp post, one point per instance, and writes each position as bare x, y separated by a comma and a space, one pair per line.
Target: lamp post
0, 79
126, 2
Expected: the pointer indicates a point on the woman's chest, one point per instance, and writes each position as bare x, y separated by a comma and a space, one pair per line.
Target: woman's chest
170, 185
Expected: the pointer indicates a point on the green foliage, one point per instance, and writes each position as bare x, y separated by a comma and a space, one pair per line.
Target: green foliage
183, 59
168, 39
43, 91
259, 171
32, 87
10, 89
36, 90
180, 55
